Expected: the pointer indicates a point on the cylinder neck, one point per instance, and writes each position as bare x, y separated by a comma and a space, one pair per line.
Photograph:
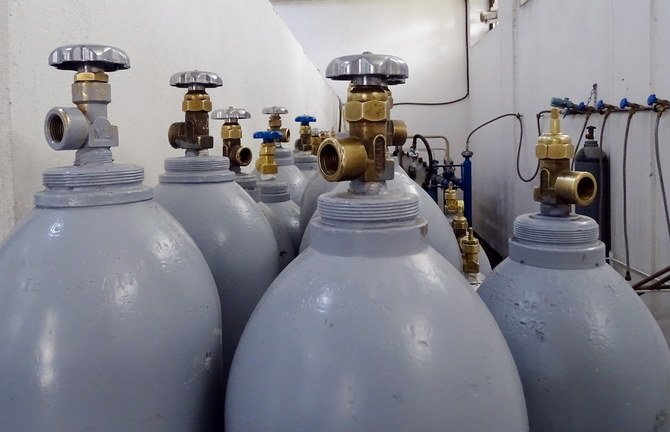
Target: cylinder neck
569, 242
383, 224
200, 169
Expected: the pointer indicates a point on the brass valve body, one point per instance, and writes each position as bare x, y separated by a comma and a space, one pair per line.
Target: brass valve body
239, 155
558, 184
304, 142
450, 200
362, 156
274, 124
193, 132
315, 141
470, 253
459, 223
266, 163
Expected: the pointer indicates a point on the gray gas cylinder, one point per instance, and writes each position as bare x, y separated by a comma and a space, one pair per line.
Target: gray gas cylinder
440, 234
290, 174
109, 318
308, 165
371, 330
590, 356
230, 230
248, 182
285, 249
275, 195
225, 222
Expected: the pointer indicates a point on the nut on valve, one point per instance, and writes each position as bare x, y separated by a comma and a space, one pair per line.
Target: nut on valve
558, 184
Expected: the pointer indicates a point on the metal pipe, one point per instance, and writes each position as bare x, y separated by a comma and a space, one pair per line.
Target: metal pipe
651, 277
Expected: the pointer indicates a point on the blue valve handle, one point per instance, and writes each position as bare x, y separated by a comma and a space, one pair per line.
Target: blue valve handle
600, 105
581, 107
624, 103
652, 99
305, 119
562, 103
268, 136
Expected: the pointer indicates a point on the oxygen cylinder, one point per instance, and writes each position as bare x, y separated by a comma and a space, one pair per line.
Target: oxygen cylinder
227, 225
576, 329
109, 316
370, 310
370, 329
591, 158
275, 195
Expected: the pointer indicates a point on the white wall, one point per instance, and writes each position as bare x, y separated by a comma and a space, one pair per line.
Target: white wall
260, 60
540, 50
6, 171
428, 34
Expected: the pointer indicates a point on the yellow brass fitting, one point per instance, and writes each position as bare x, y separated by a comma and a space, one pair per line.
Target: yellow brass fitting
470, 250
274, 124
240, 156
399, 132
266, 164
450, 200
342, 159
91, 76
558, 184
459, 223
231, 131
196, 101
315, 141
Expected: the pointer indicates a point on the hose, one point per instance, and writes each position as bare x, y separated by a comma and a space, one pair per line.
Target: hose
467, 69
538, 117
518, 153
428, 150
660, 169
625, 193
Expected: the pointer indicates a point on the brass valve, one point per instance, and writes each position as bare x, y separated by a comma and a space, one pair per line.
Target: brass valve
316, 139
304, 142
558, 184
86, 126
274, 123
470, 253
450, 200
231, 133
266, 165
459, 223
193, 133
363, 156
